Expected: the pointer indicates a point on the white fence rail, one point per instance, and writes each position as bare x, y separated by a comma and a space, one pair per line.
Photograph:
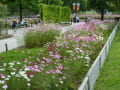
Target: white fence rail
92, 75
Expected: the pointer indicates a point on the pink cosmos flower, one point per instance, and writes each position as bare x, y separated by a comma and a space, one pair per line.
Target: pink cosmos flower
60, 67
22, 51
58, 71
57, 56
53, 77
47, 72
36, 66
47, 60
5, 86
31, 76
84, 45
25, 60
42, 61
2, 76
53, 71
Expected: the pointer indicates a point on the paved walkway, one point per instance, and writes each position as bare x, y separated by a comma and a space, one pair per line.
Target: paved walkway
13, 42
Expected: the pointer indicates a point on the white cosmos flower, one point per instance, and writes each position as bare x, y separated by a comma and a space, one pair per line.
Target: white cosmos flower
17, 75
2, 81
61, 82
12, 73
26, 69
100, 38
18, 63
2, 69
56, 85
6, 78
87, 58
11, 64
28, 84
81, 51
14, 69
38, 59
69, 51
22, 73
4, 64
79, 57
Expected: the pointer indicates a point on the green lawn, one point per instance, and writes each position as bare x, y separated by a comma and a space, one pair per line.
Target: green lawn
109, 78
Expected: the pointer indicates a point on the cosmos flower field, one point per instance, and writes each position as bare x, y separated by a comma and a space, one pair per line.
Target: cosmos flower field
60, 64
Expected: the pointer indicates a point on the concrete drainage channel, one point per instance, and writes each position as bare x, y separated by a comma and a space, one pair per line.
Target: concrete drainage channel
93, 73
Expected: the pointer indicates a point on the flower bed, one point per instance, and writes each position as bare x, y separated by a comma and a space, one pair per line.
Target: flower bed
59, 65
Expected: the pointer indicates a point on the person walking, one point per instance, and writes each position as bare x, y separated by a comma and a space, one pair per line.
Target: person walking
14, 25
31, 22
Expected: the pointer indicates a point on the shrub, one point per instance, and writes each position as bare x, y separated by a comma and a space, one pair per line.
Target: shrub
39, 38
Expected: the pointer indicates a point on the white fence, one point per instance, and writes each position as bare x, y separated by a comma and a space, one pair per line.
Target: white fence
92, 75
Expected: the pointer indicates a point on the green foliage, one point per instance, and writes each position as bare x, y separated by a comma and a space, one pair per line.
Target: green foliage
83, 4
51, 2
3, 11
98, 4
65, 14
38, 39
53, 13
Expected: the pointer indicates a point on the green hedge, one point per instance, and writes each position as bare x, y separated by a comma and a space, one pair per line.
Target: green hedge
54, 13
65, 14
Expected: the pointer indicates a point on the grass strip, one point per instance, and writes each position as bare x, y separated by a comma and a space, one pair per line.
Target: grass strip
109, 78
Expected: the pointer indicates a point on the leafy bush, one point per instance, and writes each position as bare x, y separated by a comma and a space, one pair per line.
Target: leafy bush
39, 38
54, 13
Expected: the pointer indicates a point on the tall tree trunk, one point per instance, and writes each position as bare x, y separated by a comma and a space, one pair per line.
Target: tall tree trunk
102, 14
20, 7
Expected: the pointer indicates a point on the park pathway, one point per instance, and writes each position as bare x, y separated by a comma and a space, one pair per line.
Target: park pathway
109, 78
13, 42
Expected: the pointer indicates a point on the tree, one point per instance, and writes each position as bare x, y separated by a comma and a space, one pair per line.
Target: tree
115, 4
11, 1
53, 2
30, 5
99, 5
